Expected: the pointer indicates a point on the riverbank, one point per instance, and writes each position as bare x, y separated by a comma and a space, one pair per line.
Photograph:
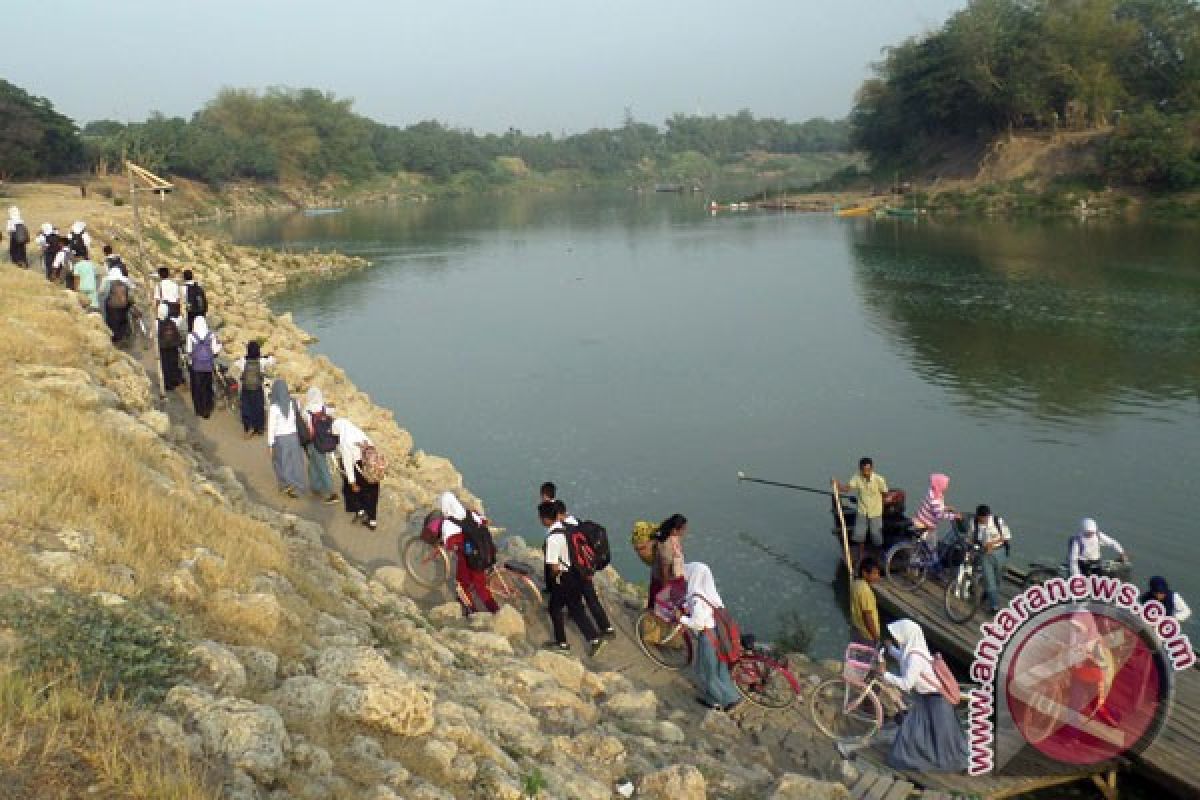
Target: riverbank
300, 662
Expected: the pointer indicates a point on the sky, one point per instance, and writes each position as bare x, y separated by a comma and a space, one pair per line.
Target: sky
536, 65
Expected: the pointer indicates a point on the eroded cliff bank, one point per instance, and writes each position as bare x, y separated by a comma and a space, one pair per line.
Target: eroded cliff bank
258, 647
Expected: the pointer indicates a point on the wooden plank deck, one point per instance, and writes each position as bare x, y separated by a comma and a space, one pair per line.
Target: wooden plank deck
1171, 762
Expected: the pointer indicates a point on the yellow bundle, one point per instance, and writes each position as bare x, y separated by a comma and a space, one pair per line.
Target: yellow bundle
643, 540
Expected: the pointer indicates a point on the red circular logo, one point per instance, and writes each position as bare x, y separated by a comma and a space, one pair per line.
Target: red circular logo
1085, 686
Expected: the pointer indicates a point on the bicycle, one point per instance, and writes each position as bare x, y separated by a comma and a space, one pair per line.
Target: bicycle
1109, 567
139, 332
910, 564
509, 582
226, 387
758, 676
848, 709
964, 591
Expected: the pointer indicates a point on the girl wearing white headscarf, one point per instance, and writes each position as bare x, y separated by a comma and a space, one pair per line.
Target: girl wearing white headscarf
360, 496
287, 456
472, 583
169, 342
930, 739
202, 347
18, 238
319, 479
712, 675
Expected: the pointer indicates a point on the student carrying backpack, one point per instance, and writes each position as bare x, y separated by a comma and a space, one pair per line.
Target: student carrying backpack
197, 300
118, 296
322, 429
479, 549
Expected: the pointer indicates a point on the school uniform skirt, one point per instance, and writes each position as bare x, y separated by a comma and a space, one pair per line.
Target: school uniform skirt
287, 457
253, 403
319, 478
172, 370
930, 738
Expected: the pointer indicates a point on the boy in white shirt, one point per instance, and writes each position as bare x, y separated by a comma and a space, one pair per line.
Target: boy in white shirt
566, 592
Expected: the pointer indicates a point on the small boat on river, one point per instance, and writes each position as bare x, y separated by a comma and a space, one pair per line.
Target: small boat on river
852, 211
319, 212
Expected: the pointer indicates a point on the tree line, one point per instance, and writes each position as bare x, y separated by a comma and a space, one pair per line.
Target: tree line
1046, 65
307, 135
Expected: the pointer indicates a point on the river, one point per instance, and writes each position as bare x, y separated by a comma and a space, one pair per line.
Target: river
639, 352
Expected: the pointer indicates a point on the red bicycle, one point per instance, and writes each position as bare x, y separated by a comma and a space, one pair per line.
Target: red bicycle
758, 674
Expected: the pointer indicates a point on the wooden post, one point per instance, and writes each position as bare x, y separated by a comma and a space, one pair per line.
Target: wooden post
837, 503
137, 217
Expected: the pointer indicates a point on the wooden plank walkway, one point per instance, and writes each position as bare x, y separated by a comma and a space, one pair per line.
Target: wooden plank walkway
1171, 762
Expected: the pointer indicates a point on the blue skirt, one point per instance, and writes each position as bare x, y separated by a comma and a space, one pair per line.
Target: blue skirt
930, 738
712, 675
288, 459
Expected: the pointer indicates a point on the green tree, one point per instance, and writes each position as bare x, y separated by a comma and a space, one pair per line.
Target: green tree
35, 140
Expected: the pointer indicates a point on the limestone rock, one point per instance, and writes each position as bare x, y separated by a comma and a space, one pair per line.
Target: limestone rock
399, 708
218, 669
509, 623
446, 614
61, 565
303, 700
257, 611
249, 736
261, 666
633, 704
674, 783
799, 787
568, 672
312, 760
394, 578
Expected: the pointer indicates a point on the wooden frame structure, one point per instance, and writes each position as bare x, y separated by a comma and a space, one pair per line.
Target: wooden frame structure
149, 183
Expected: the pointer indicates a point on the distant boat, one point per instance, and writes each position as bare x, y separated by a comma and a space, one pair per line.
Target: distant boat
668, 187
317, 212
853, 211
907, 213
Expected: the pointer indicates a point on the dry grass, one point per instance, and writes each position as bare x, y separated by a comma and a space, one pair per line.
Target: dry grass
60, 741
69, 470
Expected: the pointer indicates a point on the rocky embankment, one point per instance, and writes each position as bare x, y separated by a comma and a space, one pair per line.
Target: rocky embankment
295, 673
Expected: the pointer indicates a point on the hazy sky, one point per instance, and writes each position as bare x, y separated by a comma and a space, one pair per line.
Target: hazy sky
557, 65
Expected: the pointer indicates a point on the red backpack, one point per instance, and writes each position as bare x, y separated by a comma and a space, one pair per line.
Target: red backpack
580, 550
725, 635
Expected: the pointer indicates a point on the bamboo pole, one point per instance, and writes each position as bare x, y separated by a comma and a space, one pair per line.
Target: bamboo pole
837, 503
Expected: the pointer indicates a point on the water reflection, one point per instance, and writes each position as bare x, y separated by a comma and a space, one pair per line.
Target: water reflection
1059, 320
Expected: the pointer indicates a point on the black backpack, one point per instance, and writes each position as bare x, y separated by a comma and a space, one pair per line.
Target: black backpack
580, 551
479, 549
20, 234
197, 301
168, 334
77, 245
323, 438
598, 539
118, 296
252, 375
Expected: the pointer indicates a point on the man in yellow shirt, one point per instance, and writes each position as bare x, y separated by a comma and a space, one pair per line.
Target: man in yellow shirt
870, 487
864, 614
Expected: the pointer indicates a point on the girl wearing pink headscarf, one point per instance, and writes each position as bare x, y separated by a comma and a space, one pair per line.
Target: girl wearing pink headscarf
933, 508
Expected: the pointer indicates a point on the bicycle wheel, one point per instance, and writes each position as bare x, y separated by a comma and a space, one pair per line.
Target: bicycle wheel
426, 563
764, 682
963, 596
905, 566
845, 713
514, 590
1039, 575
667, 645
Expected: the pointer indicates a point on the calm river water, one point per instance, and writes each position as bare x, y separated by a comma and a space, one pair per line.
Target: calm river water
640, 352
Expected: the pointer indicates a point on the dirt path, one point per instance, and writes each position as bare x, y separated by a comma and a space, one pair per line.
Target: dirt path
787, 735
